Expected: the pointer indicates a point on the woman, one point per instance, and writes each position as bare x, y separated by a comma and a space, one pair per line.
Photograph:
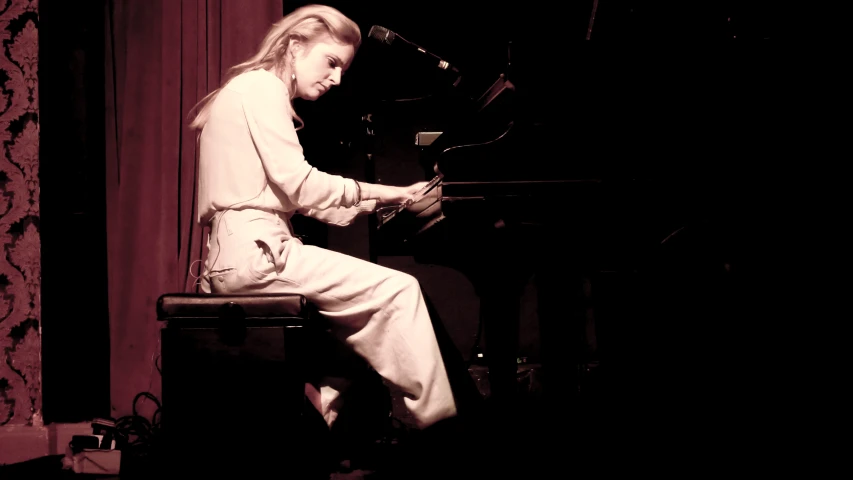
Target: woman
253, 178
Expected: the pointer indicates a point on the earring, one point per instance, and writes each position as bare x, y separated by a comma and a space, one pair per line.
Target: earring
292, 71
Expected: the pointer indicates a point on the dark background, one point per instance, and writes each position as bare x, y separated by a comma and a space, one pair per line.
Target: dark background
705, 99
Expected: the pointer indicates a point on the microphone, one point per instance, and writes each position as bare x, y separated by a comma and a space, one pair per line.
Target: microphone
387, 37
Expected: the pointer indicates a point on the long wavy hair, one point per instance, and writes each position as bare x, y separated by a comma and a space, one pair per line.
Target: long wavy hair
306, 24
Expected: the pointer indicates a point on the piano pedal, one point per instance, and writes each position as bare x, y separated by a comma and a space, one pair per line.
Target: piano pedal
588, 376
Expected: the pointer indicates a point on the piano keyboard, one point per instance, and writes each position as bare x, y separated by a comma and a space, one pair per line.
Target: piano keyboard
417, 198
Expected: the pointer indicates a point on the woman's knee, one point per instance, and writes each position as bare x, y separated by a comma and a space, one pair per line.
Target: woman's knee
403, 282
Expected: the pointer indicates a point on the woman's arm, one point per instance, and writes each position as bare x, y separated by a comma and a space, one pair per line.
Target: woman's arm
387, 194
341, 216
270, 122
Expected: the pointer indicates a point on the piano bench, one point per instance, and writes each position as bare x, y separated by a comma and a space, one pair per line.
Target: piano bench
233, 371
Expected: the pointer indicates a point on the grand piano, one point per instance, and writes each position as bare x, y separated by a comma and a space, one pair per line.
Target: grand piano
504, 201
527, 183
632, 173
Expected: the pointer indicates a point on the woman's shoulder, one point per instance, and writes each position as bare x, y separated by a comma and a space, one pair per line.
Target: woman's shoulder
254, 81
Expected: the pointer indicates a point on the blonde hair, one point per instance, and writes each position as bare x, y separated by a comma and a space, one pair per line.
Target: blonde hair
307, 25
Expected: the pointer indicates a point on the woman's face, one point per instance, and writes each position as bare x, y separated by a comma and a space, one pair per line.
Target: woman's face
319, 66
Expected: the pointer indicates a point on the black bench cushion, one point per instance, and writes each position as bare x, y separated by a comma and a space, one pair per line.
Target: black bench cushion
175, 306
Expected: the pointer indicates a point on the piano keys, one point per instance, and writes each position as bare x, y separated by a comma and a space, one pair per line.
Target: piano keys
496, 203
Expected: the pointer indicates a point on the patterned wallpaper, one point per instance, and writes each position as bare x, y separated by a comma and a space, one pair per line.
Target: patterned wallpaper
20, 263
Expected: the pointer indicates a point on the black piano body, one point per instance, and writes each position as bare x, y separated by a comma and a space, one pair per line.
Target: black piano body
502, 166
515, 194
505, 200
648, 180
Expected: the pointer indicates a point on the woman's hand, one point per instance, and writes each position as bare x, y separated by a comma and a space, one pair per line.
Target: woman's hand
387, 194
397, 195
390, 195
415, 188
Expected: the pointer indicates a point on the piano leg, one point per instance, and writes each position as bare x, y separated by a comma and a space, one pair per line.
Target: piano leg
522, 423
498, 266
500, 308
562, 323
499, 276
562, 312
